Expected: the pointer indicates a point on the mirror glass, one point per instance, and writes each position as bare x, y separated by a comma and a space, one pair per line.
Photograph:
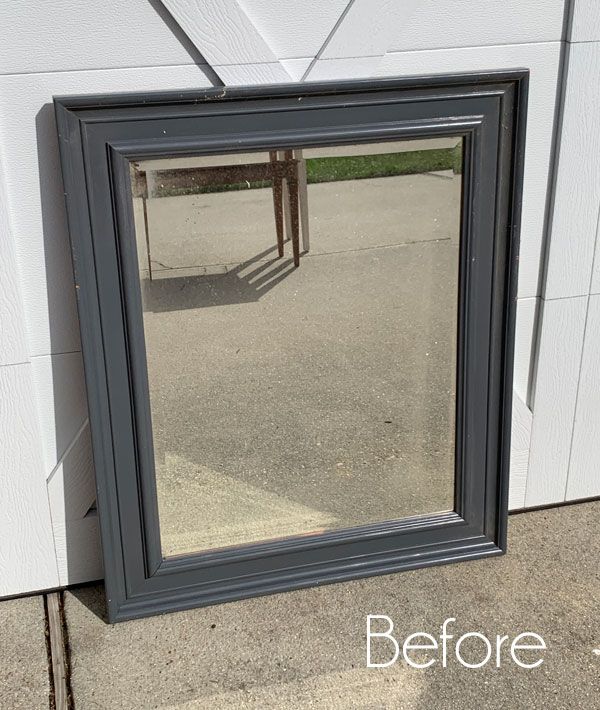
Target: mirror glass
300, 319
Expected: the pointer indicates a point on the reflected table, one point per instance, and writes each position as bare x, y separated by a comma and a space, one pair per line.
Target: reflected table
283, 170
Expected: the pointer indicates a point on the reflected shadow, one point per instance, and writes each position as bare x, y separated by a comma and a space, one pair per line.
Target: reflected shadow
246, 282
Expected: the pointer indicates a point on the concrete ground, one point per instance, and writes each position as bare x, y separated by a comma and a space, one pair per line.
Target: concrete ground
289, 401
24, 676
308, 648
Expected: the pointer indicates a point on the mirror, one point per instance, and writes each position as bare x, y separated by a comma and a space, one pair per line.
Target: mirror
300, 320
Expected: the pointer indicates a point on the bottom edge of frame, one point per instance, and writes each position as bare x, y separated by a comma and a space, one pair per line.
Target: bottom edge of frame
184, 599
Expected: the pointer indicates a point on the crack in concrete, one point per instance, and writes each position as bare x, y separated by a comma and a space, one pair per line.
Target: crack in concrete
58, 649
51, 694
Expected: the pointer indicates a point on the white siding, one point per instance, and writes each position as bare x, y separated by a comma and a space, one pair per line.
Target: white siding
289, 26
585, 25
227, 37
61, 36
13, 345
595, 286
559, 357
78, 552
578, 179
27, 556
564, 443
584, 471
527, 312
441, 24
72, 492
292, 31
61, 403
519, 453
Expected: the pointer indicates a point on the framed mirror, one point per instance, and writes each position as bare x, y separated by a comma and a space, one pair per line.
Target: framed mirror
297, 318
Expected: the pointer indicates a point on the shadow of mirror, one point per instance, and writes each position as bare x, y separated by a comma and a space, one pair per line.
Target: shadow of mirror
59, 381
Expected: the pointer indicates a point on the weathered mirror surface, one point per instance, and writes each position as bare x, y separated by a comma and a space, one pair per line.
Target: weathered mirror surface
296, 394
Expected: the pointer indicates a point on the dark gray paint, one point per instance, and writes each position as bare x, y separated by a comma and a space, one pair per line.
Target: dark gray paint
100, 134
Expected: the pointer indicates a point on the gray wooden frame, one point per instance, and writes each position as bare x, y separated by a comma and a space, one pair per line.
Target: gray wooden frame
100, 135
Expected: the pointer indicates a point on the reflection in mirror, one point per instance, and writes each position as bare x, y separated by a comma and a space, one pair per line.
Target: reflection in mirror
300, 317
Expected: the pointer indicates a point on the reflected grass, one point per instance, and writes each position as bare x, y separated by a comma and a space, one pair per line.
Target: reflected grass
346, 167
